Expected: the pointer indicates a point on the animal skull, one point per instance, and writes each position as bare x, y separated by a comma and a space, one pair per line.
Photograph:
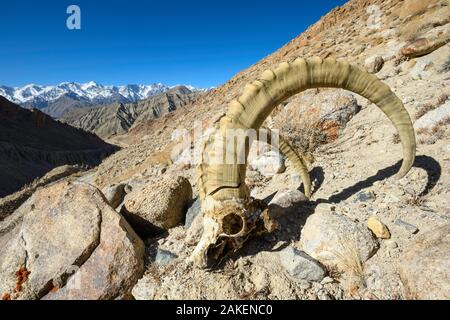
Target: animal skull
230, 215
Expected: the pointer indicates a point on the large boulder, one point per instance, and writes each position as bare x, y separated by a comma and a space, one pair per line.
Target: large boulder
425, 270
158, 206
336, 240
429, 42
68, 243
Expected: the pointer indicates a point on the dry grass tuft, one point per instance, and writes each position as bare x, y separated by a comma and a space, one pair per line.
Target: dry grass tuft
431, 135
350, 264
424, 109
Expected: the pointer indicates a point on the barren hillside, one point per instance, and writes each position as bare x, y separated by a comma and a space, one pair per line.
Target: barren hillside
362, 235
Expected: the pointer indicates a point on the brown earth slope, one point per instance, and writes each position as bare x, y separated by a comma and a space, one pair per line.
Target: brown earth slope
32, 143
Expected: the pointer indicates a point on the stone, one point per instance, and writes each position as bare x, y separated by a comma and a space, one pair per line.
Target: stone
406, 226
269, 163
365, 196
194, 209
164, 257
114, 194
333, 239
327, 280
299, 265
72, 245
194, 233
379, 229
420, 71
285, 201
374, 64
145, 288
158, 206
425, 268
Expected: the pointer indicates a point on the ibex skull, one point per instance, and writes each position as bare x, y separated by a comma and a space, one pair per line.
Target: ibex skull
230, 215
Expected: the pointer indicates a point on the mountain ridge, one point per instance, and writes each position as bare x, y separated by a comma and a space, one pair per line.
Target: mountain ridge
118, 118
58, 99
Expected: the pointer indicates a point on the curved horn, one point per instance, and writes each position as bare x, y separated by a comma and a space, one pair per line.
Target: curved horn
288, 151
226, 201
222, 180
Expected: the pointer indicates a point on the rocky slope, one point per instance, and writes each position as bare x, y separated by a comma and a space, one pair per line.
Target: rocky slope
32, 143
362, 235
119, 118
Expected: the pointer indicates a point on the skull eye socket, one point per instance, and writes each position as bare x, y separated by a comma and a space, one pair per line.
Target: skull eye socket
232, 224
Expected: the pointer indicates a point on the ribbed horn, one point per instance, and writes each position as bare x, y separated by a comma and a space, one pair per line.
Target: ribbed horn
261, 96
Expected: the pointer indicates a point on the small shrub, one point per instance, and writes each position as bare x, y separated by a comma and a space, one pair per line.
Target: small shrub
424, 110
396, 138
431, 135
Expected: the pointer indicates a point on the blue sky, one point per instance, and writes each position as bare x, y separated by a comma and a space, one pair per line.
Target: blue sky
203, 43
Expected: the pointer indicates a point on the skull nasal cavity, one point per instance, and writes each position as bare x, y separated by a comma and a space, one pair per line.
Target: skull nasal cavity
232, 224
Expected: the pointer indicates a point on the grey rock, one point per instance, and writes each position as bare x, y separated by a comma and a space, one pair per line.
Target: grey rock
114, 194
269, 163
285, 200
164, 257
406, 226
332, 238
299, 265
193, 211
365, 196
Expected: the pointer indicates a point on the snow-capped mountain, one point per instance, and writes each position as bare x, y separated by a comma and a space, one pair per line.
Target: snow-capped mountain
37, 95
57, 100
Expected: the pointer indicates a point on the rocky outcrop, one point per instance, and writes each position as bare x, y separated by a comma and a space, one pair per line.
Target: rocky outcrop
72, 247
158, 206
32, 143
425, 269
